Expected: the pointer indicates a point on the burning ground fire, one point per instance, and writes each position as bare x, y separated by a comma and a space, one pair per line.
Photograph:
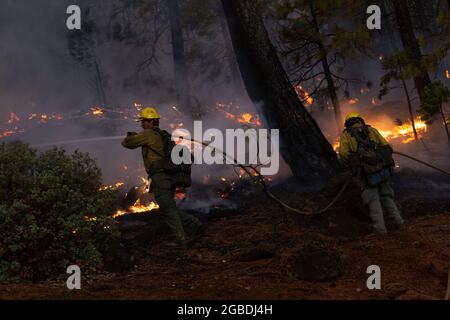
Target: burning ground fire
137, 208
244, 118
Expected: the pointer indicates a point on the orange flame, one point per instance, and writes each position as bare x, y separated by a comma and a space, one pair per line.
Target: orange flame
304, 95
137, 208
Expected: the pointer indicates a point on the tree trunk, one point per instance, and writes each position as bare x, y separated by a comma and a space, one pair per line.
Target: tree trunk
182, 83
411, 113
303, 145
410, 42
328, 76
230, 56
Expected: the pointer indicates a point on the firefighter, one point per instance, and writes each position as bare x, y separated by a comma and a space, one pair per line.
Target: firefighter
369, 156
152, 143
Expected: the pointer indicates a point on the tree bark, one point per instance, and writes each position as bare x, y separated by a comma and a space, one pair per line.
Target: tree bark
231, 58
303, 145
182, 83
410, 42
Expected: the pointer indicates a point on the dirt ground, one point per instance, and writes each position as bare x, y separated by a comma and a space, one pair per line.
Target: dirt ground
263, 252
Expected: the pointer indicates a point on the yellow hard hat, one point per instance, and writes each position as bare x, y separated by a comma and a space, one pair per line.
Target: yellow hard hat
352, 115
149, 113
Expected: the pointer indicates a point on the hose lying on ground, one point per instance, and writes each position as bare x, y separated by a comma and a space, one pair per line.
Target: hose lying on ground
333, 201
259, 177
422, 162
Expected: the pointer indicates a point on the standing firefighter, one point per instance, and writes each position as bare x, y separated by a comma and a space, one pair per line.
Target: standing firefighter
157, 145
369, 156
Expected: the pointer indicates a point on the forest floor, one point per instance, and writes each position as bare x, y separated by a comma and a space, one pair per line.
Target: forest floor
263, 252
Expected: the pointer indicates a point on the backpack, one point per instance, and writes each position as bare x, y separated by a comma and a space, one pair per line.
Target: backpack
372, 160
180, 173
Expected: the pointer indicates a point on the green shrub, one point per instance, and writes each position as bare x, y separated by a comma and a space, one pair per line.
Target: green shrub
52, 212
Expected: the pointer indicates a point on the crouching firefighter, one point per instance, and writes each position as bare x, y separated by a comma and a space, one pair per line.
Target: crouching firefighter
166, 177
369, 156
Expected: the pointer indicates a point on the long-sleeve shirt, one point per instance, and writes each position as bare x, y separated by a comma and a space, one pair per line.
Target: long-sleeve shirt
348, 143
151, 143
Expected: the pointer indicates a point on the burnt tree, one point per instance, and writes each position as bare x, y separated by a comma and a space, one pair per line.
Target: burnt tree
182, 83
303, 145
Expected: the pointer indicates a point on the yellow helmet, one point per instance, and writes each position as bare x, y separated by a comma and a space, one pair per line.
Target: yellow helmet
352, 115
149, 113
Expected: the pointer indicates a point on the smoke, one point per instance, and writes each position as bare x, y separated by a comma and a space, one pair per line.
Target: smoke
38, 75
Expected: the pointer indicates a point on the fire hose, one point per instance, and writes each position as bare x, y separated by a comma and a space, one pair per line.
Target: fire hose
260, 178
333, 201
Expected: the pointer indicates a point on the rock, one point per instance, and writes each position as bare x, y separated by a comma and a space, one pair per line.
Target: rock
314, 264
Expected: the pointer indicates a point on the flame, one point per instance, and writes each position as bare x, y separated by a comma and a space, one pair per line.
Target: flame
447, 74
96, 111
137, 208
43, 118
403, 132
115, 186
304, 95
244, 118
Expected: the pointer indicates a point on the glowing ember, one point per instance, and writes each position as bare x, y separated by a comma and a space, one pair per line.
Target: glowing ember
97, 111
115, 186
353, 101
447, 74
43, 118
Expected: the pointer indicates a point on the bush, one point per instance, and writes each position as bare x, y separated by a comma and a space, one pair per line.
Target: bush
52, 212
